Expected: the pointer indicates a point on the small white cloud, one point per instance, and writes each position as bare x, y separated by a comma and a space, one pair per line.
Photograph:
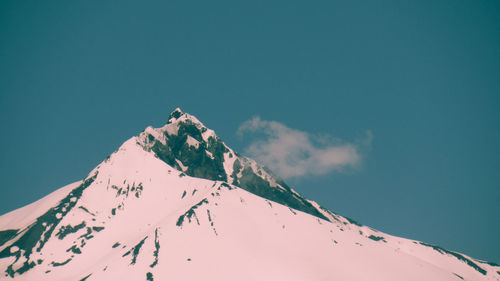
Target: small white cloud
293, 153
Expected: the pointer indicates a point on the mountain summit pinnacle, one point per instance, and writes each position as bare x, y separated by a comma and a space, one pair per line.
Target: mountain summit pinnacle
176, 113
178, 116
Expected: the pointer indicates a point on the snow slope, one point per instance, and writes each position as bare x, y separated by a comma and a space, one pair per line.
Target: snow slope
137, 217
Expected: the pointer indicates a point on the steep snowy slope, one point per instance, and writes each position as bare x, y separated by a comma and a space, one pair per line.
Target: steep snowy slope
157, 209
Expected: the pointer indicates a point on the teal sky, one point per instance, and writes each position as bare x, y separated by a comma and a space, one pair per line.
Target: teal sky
78, 78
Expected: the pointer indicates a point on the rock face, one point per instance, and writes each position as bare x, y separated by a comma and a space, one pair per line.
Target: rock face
175, 203
187, 145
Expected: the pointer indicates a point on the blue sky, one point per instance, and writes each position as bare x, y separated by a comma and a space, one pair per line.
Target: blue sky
79, 78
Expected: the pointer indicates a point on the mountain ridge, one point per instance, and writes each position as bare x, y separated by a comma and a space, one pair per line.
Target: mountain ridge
201, 148
159, 222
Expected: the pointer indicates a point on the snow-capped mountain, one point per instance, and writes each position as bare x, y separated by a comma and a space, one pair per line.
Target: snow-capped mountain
175, 203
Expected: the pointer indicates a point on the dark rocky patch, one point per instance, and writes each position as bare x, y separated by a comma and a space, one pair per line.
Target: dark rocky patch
225, 185
86, 210
376, 238
198, 163
65, 230
74, 249
6, 235
136, 250
210, 218
97, 228
157, 249
190, 213
60, 263
138, 190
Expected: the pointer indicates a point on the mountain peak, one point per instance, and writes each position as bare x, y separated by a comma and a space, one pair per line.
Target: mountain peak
187, 145
176, 114
178, 119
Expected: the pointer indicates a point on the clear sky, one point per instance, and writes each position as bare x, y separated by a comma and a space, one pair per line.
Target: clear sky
78, 78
